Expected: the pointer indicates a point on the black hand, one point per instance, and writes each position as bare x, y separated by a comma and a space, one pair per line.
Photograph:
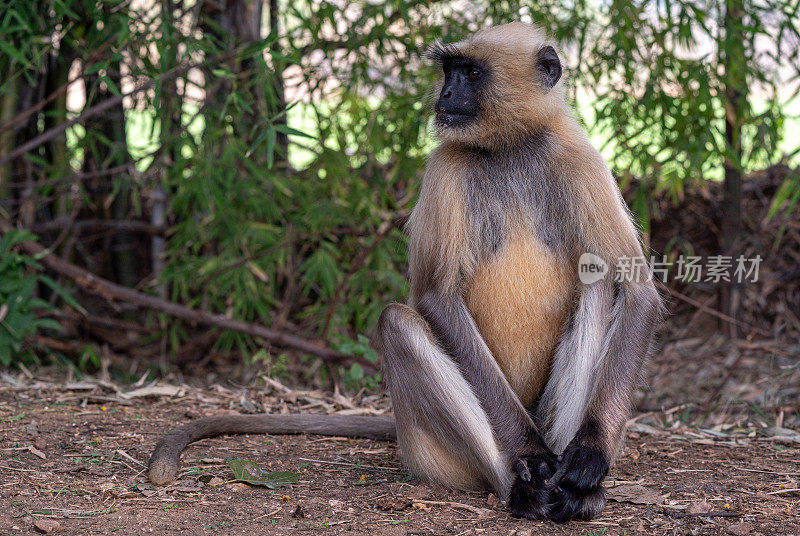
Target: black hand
529, 495
576, 490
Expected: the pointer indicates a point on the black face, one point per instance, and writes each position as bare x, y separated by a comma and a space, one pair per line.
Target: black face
459, 101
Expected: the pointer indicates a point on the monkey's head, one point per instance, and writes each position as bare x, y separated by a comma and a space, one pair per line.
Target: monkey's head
497, 86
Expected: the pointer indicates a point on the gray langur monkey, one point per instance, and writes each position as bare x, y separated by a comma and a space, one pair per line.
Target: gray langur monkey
505, 370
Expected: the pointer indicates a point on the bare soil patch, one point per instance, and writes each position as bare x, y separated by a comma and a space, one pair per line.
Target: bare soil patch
72, 460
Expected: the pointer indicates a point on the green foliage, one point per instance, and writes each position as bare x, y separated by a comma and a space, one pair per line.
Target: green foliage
250, 472
787, 198
263, 242
19, 275
289, 162
663, 76
355, 377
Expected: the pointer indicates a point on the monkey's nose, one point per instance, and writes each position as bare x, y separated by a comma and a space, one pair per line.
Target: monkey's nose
447, 93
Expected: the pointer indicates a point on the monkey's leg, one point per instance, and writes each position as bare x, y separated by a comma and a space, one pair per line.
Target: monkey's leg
605, 360
445, 333
442, 431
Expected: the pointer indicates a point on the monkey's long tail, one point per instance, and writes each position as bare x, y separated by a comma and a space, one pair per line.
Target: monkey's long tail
163, 465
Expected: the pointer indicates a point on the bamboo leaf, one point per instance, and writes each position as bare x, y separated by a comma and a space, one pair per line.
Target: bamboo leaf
249, 472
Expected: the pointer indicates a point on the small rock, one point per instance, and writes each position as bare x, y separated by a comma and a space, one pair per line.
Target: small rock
298, 512
46, 526
32, 428
739, 529
484, 513
642, 428
635, 494
712, 488
700, 507
681, 487
187, 486
525, 532
494, 501
247, 406
419, 493
391, 503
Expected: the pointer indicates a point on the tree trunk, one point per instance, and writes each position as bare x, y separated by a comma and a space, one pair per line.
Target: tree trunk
282, 140
735, 102
237, 23
8, 108
170, 116
24, 170
56, 113
111, 192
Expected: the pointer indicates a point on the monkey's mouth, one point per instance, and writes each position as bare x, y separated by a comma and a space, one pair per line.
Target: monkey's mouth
451, 119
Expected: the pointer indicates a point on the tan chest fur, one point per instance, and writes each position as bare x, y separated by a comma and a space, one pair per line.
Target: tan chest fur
520, 300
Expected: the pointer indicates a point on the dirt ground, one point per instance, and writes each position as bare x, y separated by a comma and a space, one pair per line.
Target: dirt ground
72, 461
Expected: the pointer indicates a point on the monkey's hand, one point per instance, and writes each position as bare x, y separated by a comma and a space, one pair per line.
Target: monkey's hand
576, 490
529, 496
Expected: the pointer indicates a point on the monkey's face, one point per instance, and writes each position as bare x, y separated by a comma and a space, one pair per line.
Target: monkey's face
460, 97
497, 87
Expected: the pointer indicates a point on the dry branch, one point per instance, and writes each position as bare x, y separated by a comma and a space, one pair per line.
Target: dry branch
111, 291
58, 224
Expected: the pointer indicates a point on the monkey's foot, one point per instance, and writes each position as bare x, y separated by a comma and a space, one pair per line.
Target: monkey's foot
566, 504
529, 495
575, 489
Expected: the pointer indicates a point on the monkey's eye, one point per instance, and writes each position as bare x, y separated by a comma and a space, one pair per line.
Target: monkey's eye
474, 74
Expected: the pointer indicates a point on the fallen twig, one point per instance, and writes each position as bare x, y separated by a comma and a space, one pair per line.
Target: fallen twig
474, 509
354, 465
681, 515
129, 457
782, 491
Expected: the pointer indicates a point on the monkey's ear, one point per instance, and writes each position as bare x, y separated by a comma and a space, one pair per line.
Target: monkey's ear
549, 66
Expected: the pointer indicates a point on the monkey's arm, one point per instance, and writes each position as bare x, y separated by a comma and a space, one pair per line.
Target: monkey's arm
634, 309
637, 308
531, 461
455, 330
163, 465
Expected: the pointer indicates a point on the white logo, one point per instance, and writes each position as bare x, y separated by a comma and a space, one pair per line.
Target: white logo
591, 268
